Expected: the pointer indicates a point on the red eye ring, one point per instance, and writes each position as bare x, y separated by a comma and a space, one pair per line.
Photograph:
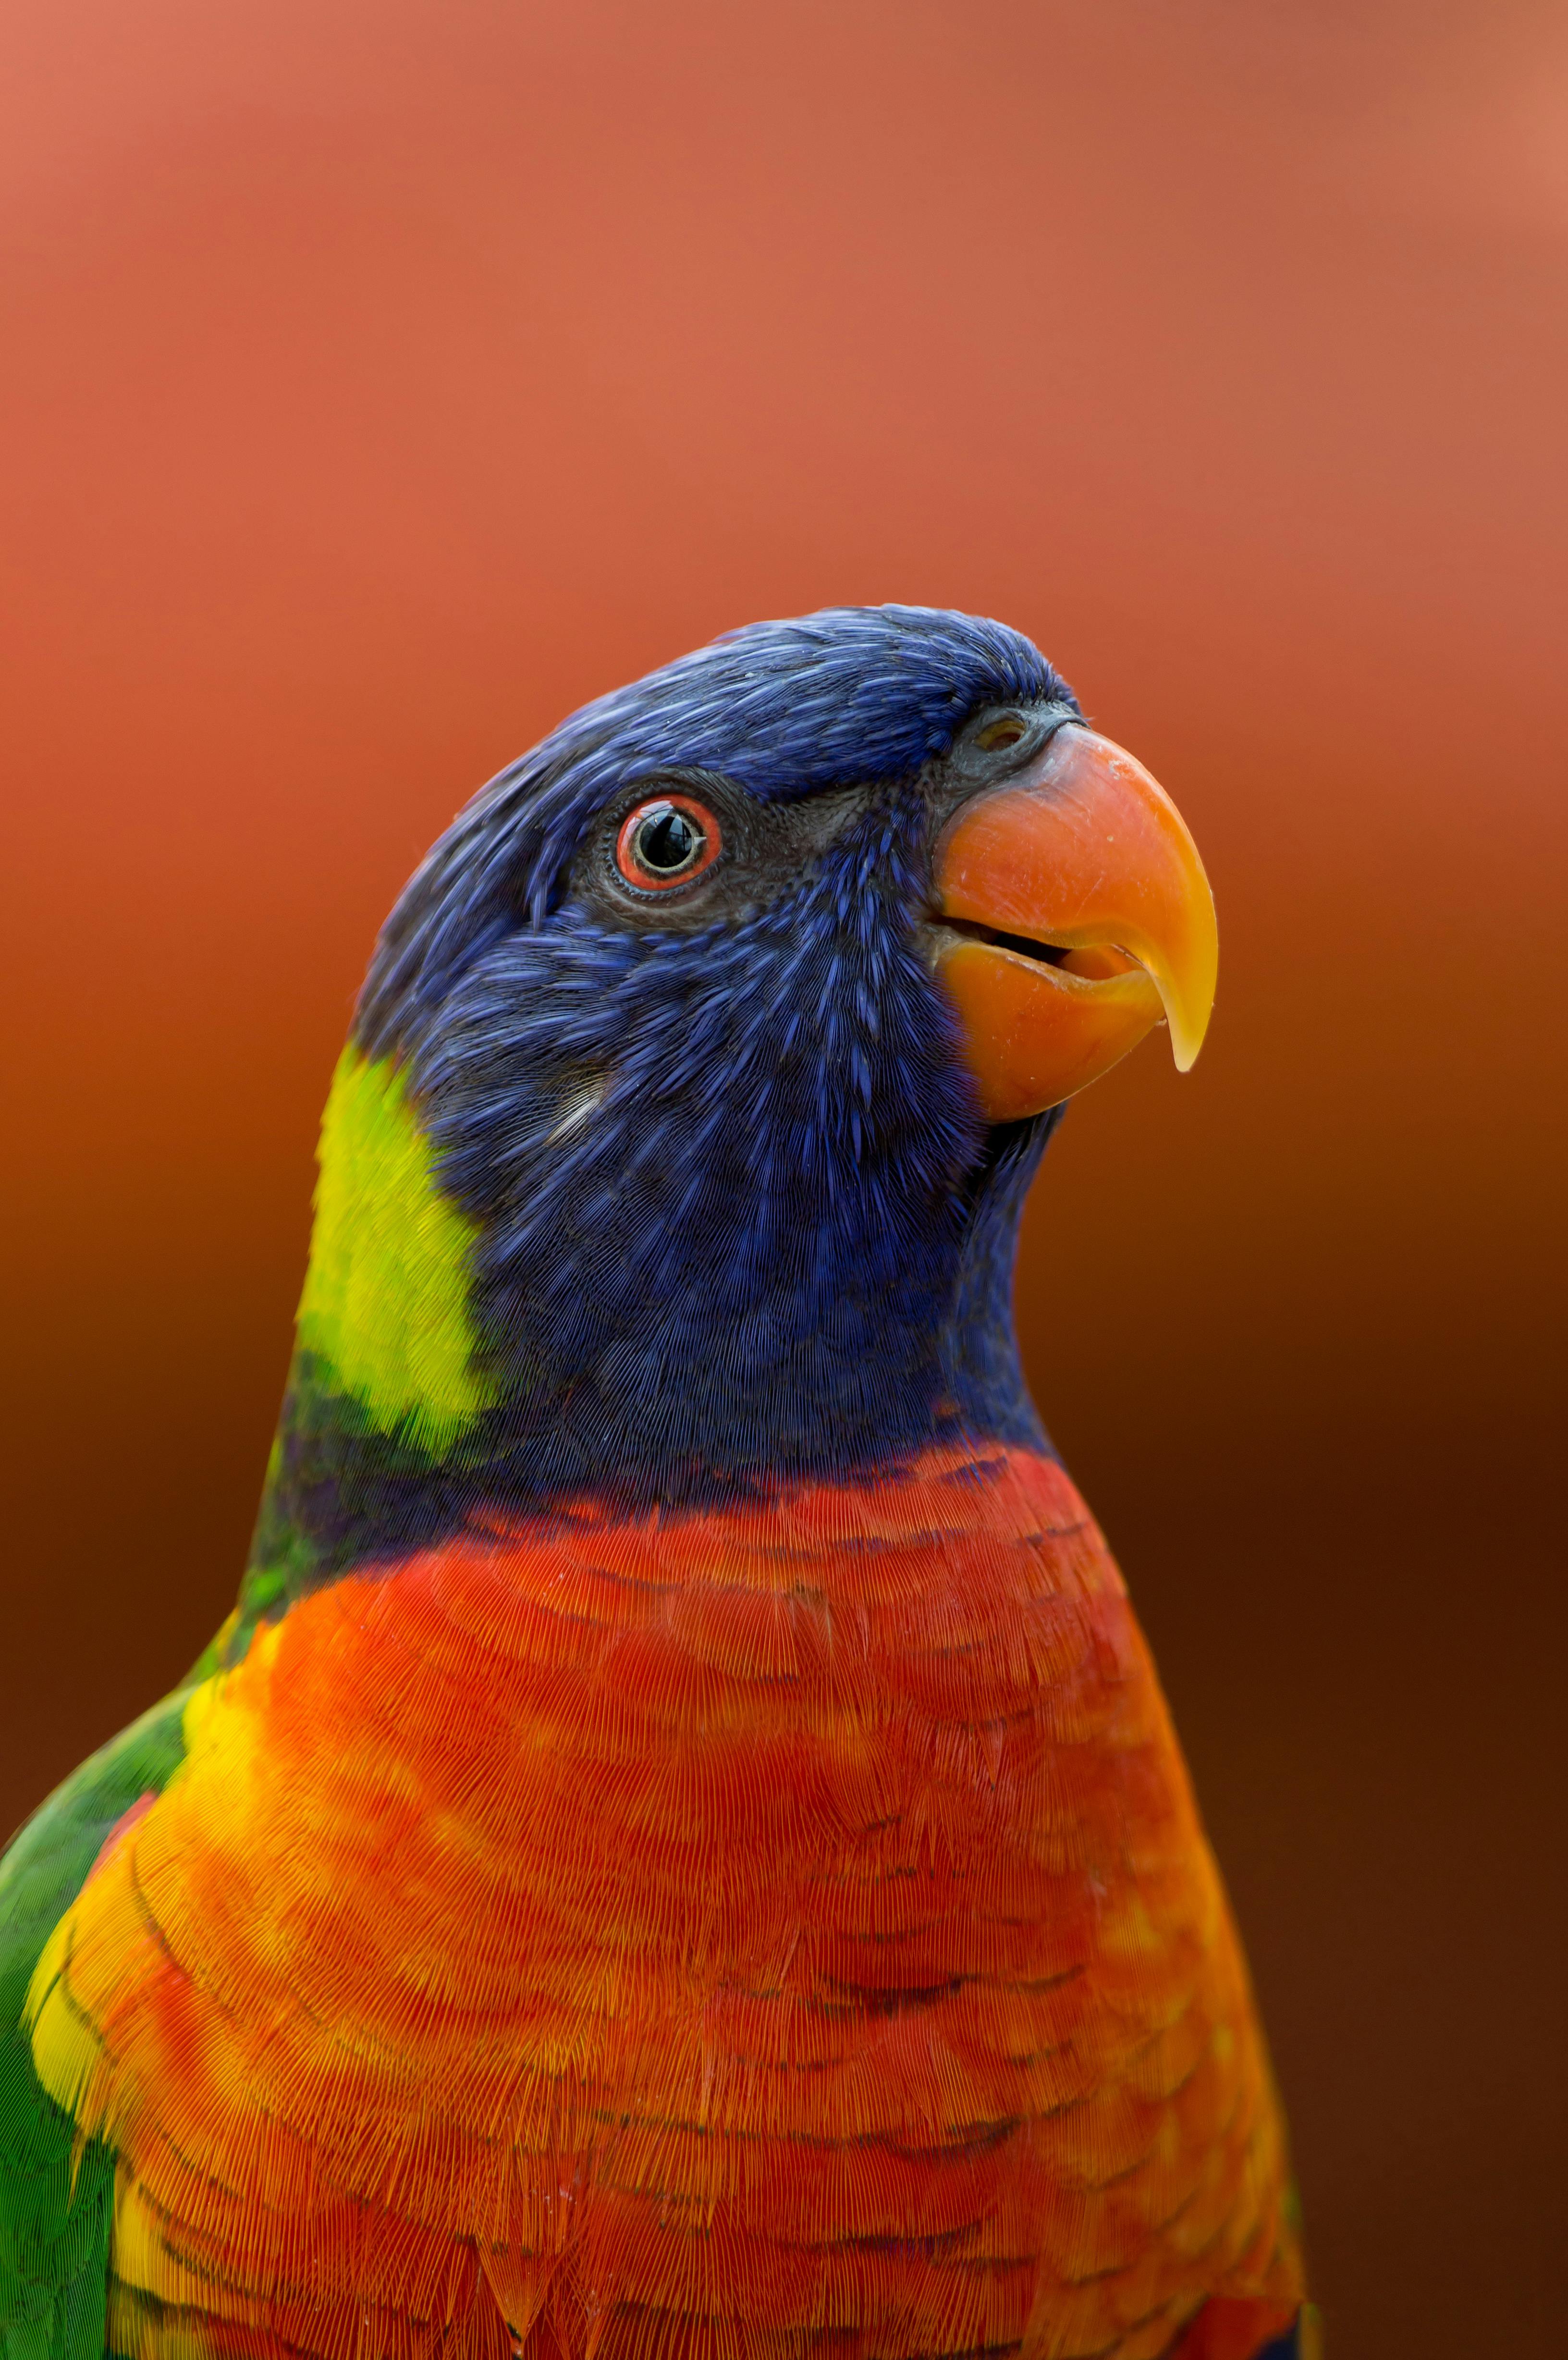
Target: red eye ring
667, 841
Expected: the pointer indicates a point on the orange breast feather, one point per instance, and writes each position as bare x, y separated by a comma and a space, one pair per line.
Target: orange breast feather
778, 1932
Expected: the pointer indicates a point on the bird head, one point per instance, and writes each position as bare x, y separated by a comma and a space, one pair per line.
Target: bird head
679, 1146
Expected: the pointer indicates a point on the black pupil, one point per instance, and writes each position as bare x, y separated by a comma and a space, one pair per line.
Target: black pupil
668, 841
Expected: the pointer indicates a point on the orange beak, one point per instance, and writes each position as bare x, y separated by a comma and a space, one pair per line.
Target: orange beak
1086, 856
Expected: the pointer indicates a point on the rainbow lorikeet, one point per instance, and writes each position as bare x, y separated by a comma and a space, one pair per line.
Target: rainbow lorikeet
679, 1852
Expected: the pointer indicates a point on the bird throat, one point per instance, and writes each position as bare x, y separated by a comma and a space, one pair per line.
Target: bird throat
402, 1421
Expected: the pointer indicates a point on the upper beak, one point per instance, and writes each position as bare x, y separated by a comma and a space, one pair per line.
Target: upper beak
1084, 861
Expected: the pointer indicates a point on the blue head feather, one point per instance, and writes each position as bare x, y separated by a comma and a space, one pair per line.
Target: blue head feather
739, 1218
786, 710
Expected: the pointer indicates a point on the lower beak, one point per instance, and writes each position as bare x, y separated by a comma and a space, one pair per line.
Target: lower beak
1079, 918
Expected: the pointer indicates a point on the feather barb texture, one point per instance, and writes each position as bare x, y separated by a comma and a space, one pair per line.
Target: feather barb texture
802, 1942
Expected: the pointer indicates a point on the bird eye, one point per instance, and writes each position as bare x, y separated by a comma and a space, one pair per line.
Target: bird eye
998, 735
667, 842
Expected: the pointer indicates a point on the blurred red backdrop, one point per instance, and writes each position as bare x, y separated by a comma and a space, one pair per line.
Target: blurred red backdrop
386, 377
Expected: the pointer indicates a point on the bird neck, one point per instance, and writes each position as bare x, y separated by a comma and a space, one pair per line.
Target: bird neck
385, 1320
406, 1415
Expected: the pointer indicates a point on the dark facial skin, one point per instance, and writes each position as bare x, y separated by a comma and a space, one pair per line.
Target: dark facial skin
766, 845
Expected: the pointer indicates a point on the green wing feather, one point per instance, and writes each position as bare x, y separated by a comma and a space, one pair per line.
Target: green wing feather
56, 2203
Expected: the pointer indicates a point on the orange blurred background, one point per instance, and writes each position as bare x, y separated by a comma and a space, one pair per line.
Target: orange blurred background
384, 378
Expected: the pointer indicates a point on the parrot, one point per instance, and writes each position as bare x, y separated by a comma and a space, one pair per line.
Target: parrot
679, 1852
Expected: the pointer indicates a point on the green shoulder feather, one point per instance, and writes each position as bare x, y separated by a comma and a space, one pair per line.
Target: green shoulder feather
56, 2201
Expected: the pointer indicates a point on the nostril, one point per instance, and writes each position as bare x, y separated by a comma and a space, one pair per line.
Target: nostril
998, 736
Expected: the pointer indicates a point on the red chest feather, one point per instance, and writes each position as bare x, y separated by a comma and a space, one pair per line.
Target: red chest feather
760, 1933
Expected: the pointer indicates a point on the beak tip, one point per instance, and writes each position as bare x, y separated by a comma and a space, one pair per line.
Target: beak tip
1187, 1028
1187, 1038
1187, 988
